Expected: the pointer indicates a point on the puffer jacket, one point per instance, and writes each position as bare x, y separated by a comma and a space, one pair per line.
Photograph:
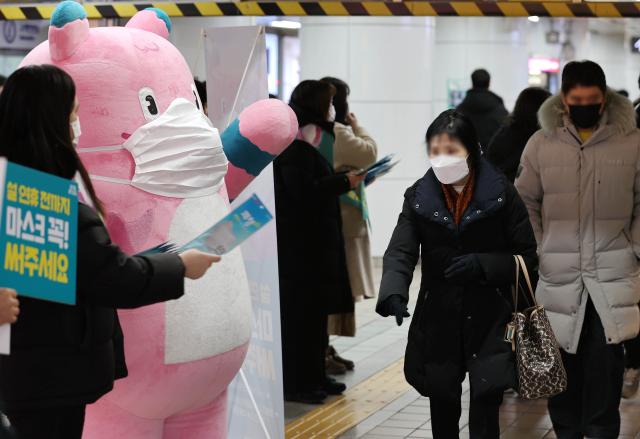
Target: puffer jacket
459, 326
584, 203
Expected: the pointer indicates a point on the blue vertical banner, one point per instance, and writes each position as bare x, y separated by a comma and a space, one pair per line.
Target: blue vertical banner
38, 233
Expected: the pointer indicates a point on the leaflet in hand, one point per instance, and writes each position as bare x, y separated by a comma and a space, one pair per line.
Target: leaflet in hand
228, 233
379, 169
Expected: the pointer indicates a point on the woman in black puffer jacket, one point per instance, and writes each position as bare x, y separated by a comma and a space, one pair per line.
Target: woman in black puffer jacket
466, 221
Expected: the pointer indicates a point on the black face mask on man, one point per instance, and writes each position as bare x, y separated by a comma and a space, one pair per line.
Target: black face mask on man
585, 116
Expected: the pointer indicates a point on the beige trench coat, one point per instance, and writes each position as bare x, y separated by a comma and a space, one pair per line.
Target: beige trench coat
354, 149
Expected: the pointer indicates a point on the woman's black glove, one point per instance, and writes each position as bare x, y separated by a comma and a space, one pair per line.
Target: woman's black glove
465, 268
395, 305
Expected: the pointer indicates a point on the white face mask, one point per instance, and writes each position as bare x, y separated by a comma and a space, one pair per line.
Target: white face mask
449, 168
332, 114
75, 128
179, 154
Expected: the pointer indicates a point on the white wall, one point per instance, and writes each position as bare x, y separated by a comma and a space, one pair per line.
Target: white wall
465, 44
398, 69
187, 35
388, 63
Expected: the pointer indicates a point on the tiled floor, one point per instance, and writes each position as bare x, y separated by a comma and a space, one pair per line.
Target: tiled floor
379, 343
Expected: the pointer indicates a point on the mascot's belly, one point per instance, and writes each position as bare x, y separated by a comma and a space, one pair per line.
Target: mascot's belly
214, 315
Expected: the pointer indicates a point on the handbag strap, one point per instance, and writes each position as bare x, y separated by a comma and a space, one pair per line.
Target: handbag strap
521, 266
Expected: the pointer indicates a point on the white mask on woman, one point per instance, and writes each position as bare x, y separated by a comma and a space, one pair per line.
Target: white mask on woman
450, 169
75, 128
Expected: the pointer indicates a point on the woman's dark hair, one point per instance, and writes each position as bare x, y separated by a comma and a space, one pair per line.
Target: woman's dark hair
310, 100
457, 126
340, 99
583, 73
35, 106
525, 112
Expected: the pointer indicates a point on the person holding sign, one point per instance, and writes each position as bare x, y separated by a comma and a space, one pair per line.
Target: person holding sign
64, 357
9, 306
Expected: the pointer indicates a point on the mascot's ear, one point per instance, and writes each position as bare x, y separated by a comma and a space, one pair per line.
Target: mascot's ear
152, 20
68, 30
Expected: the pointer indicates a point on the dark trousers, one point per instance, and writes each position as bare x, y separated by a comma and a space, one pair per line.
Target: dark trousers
632, 353
304, 346
590, 405
484, 418
52, 423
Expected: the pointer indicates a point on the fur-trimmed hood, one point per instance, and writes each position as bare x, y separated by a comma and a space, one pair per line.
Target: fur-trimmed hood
619, 113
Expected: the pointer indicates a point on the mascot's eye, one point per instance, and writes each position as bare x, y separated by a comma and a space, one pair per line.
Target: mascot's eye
197, 97
148, 103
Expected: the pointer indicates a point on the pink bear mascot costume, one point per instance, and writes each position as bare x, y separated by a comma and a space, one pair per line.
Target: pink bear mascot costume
159, 168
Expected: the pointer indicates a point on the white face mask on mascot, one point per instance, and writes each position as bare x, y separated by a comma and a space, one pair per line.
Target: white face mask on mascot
179, 154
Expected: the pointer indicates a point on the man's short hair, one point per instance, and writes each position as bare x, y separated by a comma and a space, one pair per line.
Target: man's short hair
583, 73
480, 79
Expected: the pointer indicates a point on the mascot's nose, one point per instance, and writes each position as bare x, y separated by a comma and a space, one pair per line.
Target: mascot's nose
125, 136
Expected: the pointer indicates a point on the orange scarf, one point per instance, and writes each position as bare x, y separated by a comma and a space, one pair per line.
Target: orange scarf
456, 202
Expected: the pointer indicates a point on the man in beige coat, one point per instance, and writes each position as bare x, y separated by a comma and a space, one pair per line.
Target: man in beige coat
580, 180
354, 149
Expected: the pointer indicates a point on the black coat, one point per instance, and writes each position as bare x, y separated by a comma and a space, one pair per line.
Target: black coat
505, 149
64, 355
311, 251
459, 327
486, 111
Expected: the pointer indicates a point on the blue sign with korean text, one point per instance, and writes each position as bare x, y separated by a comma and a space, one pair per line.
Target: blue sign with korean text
38, 233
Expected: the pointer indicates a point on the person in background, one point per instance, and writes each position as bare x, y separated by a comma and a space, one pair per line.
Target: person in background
580, 180
485, 108
64, 357
201, 87
3, 79
506, 147
314, 281
354, 149
466, 221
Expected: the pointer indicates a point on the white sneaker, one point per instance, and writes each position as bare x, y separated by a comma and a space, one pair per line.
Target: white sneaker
630, 383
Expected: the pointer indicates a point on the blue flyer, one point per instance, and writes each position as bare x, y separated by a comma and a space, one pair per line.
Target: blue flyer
38, 233
233, 229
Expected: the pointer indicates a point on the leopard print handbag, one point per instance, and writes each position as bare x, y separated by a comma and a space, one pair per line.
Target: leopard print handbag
540, 371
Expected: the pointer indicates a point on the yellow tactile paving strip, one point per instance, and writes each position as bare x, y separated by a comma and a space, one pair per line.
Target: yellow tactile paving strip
357, 404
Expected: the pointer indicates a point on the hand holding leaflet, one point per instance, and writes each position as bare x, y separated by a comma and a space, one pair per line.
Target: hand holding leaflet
227, 234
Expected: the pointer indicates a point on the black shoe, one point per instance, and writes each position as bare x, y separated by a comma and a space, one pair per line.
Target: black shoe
348, 364
333, 387
315, 397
